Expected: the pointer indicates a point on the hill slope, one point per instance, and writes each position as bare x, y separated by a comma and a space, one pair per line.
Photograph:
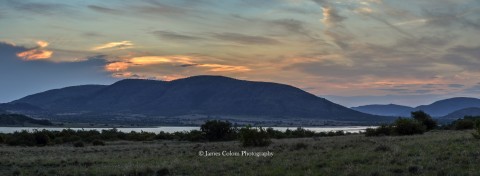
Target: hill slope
207, 95
444, 107
385, 110
462, 113
20, 120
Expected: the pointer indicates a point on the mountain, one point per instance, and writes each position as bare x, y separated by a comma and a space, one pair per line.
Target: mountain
206, 95
385, 110
462, 113
20, 120
436, 109
447, 106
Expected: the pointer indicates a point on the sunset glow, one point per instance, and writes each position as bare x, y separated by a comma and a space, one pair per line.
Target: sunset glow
338, 48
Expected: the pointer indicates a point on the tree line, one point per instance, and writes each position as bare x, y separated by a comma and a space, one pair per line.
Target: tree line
210, 131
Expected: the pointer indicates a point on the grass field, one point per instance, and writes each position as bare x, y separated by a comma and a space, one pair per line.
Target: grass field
434, 153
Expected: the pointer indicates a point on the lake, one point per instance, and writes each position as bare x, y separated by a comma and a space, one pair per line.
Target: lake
171, 129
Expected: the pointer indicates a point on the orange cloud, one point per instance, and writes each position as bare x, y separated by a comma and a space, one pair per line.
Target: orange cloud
150, 60
120, 69
224, 68
42, 44
36, 53
116, 66
118, 45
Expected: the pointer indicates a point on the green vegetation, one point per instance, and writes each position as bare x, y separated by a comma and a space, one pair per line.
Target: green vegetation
418, 124
216, 130
252, 137
437, 152
210, 131
425, 119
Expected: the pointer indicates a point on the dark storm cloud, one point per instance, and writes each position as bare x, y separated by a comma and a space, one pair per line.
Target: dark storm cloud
28, 77
245, 39
174, 36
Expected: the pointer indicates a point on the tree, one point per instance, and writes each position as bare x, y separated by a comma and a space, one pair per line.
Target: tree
424, 119
254, 137
404, 126
216, 130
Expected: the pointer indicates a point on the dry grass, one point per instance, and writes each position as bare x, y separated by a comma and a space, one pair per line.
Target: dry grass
434, 153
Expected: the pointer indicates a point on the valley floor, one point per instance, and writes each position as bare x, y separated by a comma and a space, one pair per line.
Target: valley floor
434, 153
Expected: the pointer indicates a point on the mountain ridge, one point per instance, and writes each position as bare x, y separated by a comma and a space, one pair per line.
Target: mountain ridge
208, 95
436, 109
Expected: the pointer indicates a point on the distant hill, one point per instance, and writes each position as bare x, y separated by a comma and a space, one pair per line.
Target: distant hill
462, 113
21, 120
447, 106
19, 107
436, 109
207, 95
385, 110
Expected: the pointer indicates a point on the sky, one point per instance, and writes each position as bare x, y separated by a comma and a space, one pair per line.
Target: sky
352, 52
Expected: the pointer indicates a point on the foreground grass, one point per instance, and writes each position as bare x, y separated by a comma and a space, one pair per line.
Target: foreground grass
434, 153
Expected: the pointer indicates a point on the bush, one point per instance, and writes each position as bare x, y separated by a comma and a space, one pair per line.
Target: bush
42, 139
404, 126
299, 146
425, 119
98, 143
382, 130
477, 133
216, 130
464, 124
79, 144
2, 139
252, 137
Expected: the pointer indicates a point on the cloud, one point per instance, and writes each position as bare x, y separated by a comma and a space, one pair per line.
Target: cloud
224, 68
149, 66
174, 36
114, 45
331, 16
36, 53
104, 9
246, 39
25, 78
41, 8
456, 85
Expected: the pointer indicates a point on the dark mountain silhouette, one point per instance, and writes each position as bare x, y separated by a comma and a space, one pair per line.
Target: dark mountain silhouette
436, 109
385, 110
447, 106
23, 107
462, 113
20, 120
206, 95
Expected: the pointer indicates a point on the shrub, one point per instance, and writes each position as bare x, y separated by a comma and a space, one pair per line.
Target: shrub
404, 126
79, 144
254, 137
477, 133
382, 130
2, 139
42, 139
425, 119
216, 130
299, 146
464, 124
98, 143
